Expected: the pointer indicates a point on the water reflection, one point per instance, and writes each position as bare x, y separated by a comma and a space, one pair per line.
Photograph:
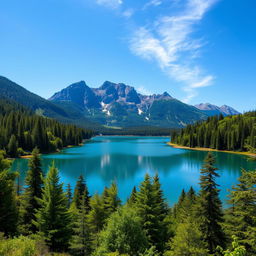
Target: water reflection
127, 159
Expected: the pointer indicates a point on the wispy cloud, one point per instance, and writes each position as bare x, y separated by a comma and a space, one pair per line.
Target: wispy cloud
128, 13
113, 4
152, 3
169, 42
144, 91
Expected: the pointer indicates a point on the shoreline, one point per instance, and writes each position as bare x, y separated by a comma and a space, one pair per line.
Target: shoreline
28, 156
160, 136
211, 149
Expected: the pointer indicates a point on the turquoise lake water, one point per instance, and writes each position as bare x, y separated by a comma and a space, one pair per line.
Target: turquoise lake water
127, 159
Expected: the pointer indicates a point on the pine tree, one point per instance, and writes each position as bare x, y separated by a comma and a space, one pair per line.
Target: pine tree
209, 209
152, 210
96, 218
32, 192
80, 192
241, 217
160, 212
178, 207
111, 200
69, 195
8, 204
12, 146
81, 242
53, 218
132, 199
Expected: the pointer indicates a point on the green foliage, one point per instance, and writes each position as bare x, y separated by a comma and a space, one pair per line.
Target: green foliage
150, 252
153, 211
241, 217
20, 129
53, 218
32, 192
144, 226
235, 133
110, 199
69, 195
80, 192
97, 214
12, 147
8, 204
209, 209
123, 234
22, 246
132, 199
237, 249
81, 241
188, 240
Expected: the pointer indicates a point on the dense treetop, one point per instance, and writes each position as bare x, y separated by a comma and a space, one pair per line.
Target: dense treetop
21, 130
234, 133
44, 219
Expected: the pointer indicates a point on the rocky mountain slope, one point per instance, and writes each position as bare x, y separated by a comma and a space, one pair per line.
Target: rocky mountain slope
119, 105
212, 110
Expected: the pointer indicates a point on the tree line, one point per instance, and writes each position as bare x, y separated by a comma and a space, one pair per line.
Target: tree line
233, 133
46, 217
21, 131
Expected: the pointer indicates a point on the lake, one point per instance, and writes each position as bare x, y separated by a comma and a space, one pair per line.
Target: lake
126, 160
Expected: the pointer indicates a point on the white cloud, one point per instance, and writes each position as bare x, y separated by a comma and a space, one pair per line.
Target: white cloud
113, 4
152, 3
128, 13
144, 91
169, 42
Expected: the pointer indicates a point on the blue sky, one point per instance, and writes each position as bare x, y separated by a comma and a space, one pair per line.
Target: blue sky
197, 50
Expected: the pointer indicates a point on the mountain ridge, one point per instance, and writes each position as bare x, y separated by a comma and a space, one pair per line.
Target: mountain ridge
212, 109
110, 106
118, 104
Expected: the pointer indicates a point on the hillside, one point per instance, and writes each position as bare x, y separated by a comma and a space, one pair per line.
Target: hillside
21, 130
234, 133
120, 105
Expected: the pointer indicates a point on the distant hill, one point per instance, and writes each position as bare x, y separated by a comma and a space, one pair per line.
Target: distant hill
212, 110
233, 133
16, 93
119, 105
110, 107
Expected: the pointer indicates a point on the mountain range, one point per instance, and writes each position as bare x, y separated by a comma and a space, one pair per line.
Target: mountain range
119, 105
112, 105
212, 110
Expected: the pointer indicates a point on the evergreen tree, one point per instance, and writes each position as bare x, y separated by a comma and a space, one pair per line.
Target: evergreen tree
13, 147
97, 214
224, 133
81, 242
160, 212
32, 192
111, 200
80, 192
8, 204
132, 199
69, 195
209, 209
152, 210
52, 218
241, 218
178, 207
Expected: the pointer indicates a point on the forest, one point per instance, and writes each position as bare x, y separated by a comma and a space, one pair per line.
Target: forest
232, 133
46, 218
21, 130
